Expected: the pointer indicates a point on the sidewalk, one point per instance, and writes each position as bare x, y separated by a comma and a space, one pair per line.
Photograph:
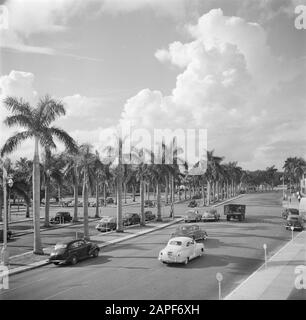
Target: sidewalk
277, 280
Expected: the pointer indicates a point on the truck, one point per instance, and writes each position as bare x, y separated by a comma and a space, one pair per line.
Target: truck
236, 211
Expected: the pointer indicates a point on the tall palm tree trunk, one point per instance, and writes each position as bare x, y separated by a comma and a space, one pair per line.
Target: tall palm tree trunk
142, 215
97, 199
158, 200
36, 201
208, 192
134, 192
203, 194
148, 191
172, 195
119, 190
47, 202
1, 203
85, 207
76, 199
166, 188
104, 194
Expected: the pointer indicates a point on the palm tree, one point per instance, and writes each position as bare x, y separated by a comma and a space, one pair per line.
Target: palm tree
52, 170
23, 178
37, 123
87, 161
270, 174
71, 173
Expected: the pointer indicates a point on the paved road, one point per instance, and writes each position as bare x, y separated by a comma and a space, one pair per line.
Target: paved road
130, 270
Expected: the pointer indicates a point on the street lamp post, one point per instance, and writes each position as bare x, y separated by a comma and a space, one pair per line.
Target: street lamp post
4, 252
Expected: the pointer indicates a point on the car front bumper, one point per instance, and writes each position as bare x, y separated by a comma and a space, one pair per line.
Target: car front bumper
170, 259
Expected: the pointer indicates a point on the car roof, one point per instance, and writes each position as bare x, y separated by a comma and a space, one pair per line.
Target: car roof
182, 239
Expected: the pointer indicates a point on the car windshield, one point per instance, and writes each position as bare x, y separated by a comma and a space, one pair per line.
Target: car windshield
295, 212
59, 246
183, 229
175, 243
293, 219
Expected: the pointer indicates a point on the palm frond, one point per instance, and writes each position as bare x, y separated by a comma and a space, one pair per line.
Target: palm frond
19, 119
18, 106
14, 141
49, 109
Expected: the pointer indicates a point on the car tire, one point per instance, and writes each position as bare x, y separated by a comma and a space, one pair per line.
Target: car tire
56, 263
95, 253
74, 260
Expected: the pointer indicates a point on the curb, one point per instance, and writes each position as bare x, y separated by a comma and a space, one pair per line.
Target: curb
261, 267
46, 262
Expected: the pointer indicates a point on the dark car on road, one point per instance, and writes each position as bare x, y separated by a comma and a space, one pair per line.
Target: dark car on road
73, 251
192, 231
192, 204
131, 218
150, 216
9, 235
61, 217
149, 204
289, 211
294, 221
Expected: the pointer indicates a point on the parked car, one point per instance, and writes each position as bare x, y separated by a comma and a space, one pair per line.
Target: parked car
73, 251
192, 231
192, 216
107, 223
149, 204
181, 250
109, 200
61, 217
294, 221
131, 218
8, 236
192, 204
65, 203
196, 196
150, 216
211, 215
289, 211
71, 203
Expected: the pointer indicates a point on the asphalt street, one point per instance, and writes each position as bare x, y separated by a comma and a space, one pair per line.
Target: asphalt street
130, 270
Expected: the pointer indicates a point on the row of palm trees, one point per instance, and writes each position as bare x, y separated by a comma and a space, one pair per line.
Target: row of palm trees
80, 165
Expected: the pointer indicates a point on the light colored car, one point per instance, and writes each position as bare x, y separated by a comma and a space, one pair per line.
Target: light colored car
211, 215
181, 250
192, 215
107, 223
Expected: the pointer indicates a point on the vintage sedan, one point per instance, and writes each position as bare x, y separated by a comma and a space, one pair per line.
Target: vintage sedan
61, 217
211, 215
73, 251
289, 211
192, 204
192, 231
107, 223
149, 204
181, 250
192, 216
149, 216
294, 221
131, 218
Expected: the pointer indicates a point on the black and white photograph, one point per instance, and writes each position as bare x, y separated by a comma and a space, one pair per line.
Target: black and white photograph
153, 151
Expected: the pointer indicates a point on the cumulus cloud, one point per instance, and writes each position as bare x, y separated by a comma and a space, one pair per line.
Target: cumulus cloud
230, 83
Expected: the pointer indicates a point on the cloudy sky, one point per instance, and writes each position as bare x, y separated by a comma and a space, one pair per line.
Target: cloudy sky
234, 67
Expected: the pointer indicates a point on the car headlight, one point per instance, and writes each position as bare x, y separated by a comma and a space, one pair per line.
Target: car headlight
52, 254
